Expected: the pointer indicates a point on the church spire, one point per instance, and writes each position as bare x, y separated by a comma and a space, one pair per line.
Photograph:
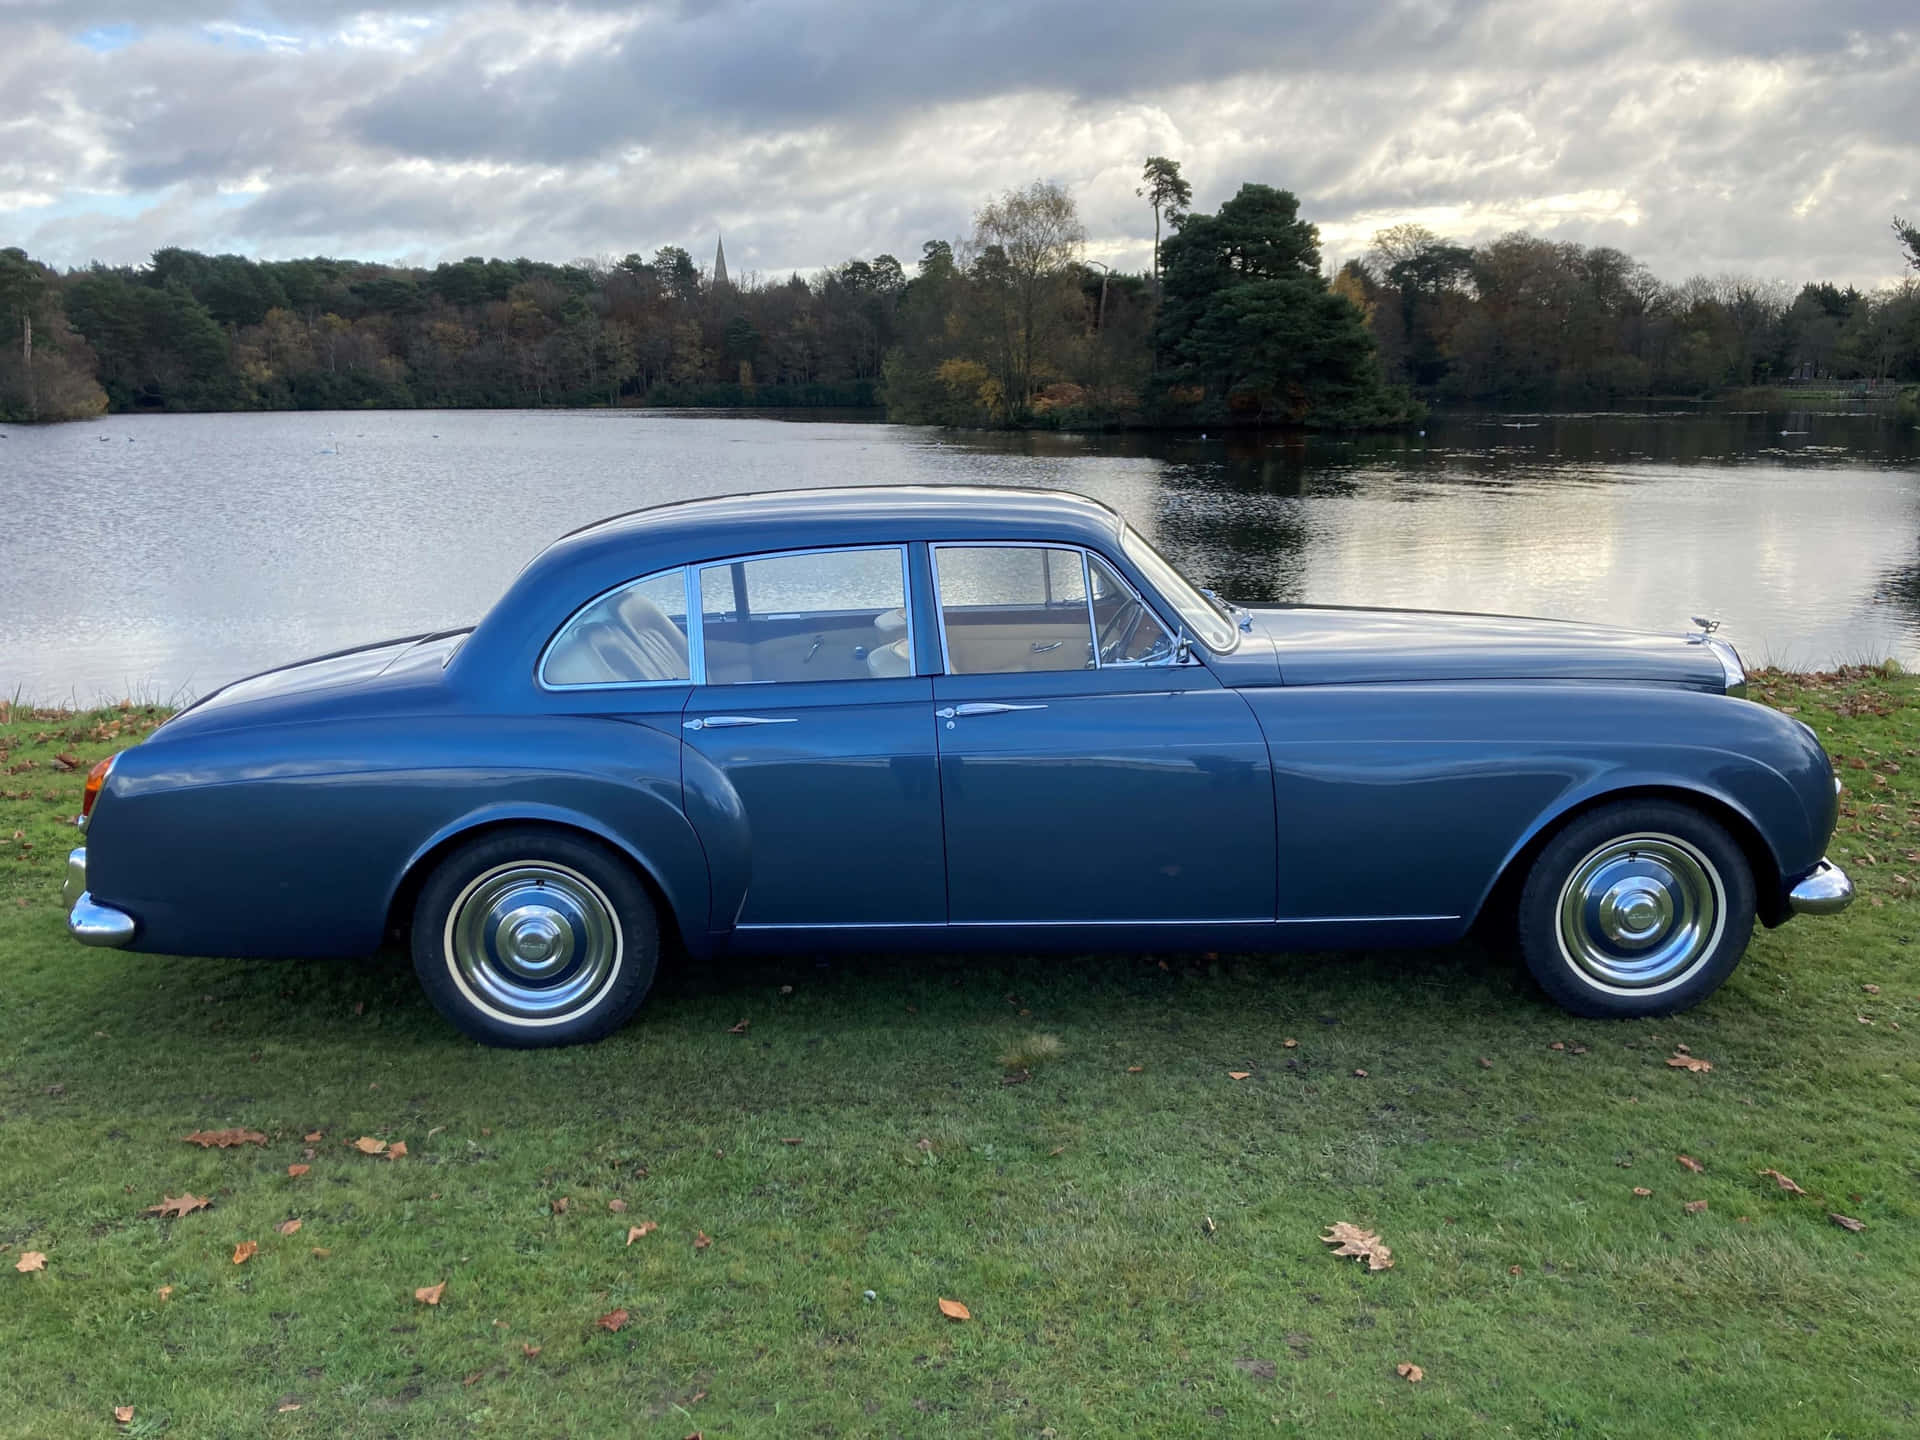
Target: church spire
720, 281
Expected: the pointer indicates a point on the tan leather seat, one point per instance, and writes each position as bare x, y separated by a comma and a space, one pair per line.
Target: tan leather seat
887, 661
659, 650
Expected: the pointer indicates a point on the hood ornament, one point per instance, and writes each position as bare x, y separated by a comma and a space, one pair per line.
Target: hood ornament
1707, 627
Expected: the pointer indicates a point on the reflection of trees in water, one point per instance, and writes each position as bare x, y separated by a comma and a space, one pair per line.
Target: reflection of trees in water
1232, 514
1900, 585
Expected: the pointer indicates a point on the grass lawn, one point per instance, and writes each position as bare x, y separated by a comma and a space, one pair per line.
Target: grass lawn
1133, 1231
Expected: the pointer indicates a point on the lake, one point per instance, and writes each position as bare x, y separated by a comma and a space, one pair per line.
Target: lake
158, 556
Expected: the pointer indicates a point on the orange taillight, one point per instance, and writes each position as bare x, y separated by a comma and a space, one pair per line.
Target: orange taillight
96, 777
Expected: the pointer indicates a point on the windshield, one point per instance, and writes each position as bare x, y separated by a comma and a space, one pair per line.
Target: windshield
1207, 622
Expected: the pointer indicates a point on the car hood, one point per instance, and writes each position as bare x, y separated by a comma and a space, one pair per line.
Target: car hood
1326, 645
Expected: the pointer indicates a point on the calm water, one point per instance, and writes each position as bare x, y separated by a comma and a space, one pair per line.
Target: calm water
164, 555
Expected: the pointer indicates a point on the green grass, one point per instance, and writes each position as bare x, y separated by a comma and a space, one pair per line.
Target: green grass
1133, 1231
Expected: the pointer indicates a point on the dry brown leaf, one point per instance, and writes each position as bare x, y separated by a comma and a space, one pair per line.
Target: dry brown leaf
224, 1139
430, 1294
245, 1251
1412, 1374
1238, 1074
530, 1351
314, 1135
367, 1145
1558, 1045
165, 1292
1135, 1069
288, 1227
397, 1150
30, 1260
618, 1207
1642, 1191
954, 1310
739, 1029
613, 1320
1847, 1222
1694, 1207
287, 1407
1056, 1152
1692, 1164
560, 1206
1360, 1074
171, 1208
1290, 1044
701, 1240
640, 1231
1513, 1270
1784, 1182
123, 1414
1689, 1062
1348, 1239
320, 1252
473, 1378
296, 1171
791, 1140
1485, 1063
1871, 989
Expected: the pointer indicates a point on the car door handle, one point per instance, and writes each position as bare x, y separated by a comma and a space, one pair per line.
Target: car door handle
980, 707
729, 722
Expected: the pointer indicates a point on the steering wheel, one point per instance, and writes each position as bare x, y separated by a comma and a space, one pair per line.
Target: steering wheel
1132, 615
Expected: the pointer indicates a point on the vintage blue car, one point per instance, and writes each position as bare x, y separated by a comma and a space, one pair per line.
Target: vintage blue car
949, 718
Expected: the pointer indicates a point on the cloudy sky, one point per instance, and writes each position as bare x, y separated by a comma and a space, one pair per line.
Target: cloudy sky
1775, 137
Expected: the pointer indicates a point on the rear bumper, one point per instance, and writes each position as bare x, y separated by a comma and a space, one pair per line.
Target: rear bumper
1826, 891
87, 921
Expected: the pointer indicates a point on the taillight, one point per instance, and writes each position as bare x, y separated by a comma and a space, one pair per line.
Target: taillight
96, 777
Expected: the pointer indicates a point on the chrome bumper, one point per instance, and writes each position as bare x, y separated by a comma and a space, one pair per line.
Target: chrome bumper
1827, 891
87, 922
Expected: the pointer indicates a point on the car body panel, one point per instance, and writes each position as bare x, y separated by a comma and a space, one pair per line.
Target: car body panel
1337, 777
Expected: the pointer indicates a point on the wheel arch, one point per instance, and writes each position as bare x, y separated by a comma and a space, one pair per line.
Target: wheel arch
674, 911
1769, 891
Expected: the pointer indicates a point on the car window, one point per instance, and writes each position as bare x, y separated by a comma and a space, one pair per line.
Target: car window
822, 615
1127, 632
634, 635
1013, 608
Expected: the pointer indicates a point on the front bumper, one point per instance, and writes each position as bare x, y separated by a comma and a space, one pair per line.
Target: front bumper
88, 922
1827, 891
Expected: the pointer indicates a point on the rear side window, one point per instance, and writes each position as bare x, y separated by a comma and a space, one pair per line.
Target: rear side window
820, 615
1006, 609
635, 635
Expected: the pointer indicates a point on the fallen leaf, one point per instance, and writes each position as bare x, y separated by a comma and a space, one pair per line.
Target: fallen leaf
1558, 1045
1207, 1227
397, 1150
923, 1143
1513, 1270
1360, 1074
1057, 1150
296, 1171
1135, 1069
786, 989
1485, 1063
224, 1139
954, 1310
791, 1140
245, 1251
1689, 1062
1348, 1239
320, 1252
618, 1207
1692, 1164
1871, 989
1694, 1207
1412, 1374
1290, 1044
739, 1029
1642, 1191
287, 1407
313, 1135
613, 1320
430, 1294
701, 1240
1783, 1182
640, 1231
1845, 1222
367, 1145
165, 1292
1578, 1050
171, 1208
560, 1206
1238, 1074
288, 1227
123, 1414
530, 1351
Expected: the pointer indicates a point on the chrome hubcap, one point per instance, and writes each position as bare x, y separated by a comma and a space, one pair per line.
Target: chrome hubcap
534, 941
1641, 911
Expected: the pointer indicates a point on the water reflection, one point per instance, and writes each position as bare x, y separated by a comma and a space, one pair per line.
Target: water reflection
187, 550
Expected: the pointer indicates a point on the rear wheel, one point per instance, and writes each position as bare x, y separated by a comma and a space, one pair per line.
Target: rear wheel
530, 937
1638, 908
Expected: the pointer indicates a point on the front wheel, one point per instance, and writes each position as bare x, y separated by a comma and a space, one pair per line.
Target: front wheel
529, 937
1638, 908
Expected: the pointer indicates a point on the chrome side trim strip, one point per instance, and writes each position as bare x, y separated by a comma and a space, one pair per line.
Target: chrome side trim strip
1083, 924
101, 925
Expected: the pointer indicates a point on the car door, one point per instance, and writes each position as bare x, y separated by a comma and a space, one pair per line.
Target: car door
810, 764
1089, 774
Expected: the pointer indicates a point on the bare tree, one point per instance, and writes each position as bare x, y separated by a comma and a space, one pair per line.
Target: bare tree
1028, 242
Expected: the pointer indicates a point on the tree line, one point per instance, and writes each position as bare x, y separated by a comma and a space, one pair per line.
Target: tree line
1236, 321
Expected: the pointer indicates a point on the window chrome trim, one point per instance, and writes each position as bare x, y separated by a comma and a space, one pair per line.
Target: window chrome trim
934, 547
696, 617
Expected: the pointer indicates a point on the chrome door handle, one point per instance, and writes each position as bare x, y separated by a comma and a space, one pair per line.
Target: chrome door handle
729, 722
980, 707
